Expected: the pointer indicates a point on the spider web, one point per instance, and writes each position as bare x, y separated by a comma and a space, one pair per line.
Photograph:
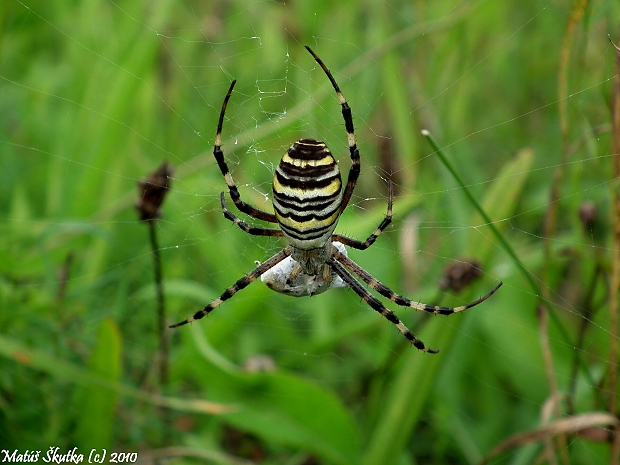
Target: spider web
281, 96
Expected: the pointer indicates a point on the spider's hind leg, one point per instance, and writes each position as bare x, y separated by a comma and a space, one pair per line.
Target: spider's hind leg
399, 299
376, 305
240, 284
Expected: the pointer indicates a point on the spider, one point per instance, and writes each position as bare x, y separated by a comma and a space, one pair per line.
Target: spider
308, 199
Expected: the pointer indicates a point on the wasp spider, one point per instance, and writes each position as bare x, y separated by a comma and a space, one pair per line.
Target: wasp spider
308, 199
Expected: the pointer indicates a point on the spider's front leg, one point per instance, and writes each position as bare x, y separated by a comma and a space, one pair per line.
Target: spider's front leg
244, 226
354, 171
232, 187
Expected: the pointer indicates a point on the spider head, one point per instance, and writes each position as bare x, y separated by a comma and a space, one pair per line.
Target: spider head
307, 194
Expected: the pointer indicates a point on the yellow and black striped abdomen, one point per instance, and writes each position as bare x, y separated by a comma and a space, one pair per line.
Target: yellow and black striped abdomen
307, 193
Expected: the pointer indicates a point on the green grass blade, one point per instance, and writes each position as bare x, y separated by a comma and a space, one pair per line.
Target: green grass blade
410, 390
70, 372
290, 410
406, 398
282, 407
507, 248
96, 405
500, 202
481, 211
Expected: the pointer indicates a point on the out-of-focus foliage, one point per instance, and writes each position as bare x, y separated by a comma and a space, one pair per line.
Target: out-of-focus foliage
95, 95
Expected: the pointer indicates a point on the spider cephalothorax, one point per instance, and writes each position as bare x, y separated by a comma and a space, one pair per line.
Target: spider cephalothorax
308, 199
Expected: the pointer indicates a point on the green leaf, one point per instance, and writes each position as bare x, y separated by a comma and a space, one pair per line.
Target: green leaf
500, 202
40, 360
289, 410
406, 396
410, 389
96, 405
294, 411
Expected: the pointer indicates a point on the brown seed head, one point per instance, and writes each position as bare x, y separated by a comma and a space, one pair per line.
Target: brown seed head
151, 192
458, 275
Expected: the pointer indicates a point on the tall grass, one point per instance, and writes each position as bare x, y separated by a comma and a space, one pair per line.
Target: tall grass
95, 95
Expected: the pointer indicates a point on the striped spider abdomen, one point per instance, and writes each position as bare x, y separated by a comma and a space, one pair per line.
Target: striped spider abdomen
307, 194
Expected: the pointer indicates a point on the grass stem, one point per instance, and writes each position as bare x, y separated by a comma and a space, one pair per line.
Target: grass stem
615, 276
507, 248
162, 359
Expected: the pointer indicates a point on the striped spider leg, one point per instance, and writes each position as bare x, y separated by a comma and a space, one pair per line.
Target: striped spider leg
376, 305
354, 172
239, 285
373, 237
308, 199
399, 299
337, 262
219, 158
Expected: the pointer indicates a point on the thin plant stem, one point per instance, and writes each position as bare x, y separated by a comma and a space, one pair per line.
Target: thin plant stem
480, 210
543, 317
504, 244
589, 308
615, 274
551, 214
577, 12
162, 359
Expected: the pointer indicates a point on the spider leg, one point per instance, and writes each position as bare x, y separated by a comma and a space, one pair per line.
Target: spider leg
219, 157
373, 237
376, 305
244, 226
399, 299
354, 171
240, 284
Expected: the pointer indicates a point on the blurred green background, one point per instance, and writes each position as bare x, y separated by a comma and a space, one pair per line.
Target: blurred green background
94, 95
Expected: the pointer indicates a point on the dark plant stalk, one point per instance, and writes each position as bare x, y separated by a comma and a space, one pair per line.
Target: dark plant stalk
550, 220
615, 276
161, 310
589, 308
151, 194
543, 324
